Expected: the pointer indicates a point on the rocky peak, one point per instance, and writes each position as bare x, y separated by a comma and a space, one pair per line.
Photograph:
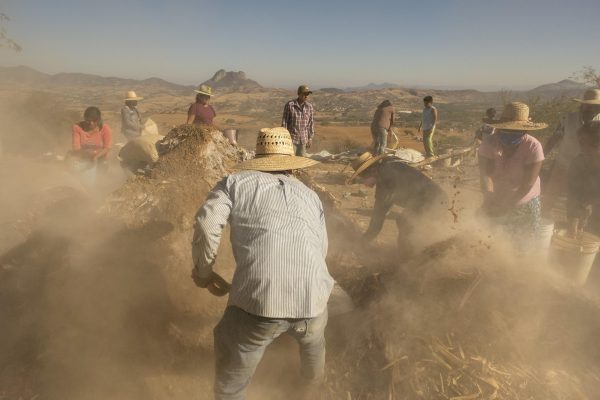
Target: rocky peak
232, 81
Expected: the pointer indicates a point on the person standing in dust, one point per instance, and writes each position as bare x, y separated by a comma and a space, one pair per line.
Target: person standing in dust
298, 120
281, 284
428, 122
510, 162
583, 183
131, 119
565, 136
382, 123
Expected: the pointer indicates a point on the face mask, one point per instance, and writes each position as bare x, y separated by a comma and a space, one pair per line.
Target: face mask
511, 138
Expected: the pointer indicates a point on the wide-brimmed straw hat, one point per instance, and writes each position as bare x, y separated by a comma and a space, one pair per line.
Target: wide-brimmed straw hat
515, 117
204, 89
275, 152
131, 96
590, 96
361, 163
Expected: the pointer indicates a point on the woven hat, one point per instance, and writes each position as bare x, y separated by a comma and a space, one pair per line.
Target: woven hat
515, 117
204, 89
275, 152
590, 96
131, 96
363, 162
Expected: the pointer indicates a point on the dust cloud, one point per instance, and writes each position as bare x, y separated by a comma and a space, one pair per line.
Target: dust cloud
96, 299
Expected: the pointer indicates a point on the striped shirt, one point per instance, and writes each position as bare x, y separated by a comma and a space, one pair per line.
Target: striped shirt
279, 244
298, 120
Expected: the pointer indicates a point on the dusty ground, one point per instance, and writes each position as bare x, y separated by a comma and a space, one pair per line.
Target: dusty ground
91, 314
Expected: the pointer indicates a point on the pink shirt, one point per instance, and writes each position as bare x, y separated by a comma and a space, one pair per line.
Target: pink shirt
508, 173
92, 141
204, 114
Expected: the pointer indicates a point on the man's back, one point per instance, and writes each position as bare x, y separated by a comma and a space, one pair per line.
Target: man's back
279, 242
407, 186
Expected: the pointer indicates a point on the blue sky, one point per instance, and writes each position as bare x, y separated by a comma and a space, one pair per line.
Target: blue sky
454, 43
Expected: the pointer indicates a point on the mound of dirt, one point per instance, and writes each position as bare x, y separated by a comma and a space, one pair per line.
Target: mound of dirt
192, 161
445, 325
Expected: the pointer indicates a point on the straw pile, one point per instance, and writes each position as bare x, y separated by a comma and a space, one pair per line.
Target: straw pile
464, 321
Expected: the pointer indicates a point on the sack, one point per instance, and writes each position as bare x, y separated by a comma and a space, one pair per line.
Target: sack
140, 150
149, 128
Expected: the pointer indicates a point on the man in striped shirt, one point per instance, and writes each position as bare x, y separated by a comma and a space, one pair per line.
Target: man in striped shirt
281, 283
298, 120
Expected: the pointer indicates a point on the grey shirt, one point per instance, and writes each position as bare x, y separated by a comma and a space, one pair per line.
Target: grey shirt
279, 243
131, 122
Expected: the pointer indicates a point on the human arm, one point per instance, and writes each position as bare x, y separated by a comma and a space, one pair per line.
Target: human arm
486, 171
392, 117
210, 220
286, 116
311, 128
106, 133
435, 116
191, 115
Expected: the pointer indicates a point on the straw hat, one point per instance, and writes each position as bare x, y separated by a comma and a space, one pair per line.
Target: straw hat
132, 96
363, 162
275, 152
515, 117
590, 96
204, 89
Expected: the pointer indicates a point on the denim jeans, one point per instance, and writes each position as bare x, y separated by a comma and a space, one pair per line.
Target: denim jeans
379, 140
300, 150
240, 342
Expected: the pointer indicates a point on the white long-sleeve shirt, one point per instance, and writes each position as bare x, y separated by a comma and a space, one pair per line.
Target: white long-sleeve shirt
279, 243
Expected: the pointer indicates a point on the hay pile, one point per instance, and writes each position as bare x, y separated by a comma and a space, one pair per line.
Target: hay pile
465, 321
163, 206
192, 161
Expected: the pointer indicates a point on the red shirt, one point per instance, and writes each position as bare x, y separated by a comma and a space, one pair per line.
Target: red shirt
92, 141
204, 113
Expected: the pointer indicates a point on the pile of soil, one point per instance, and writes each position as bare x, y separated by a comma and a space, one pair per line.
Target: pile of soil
445, 325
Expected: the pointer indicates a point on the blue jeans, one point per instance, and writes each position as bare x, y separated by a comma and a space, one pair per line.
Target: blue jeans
240, 342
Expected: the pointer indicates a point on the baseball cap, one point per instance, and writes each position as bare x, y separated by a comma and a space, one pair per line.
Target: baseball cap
304, 89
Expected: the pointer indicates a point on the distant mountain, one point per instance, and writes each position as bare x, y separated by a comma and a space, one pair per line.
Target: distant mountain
566, 86
230, 81
372, 86
25, 76
331, 90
